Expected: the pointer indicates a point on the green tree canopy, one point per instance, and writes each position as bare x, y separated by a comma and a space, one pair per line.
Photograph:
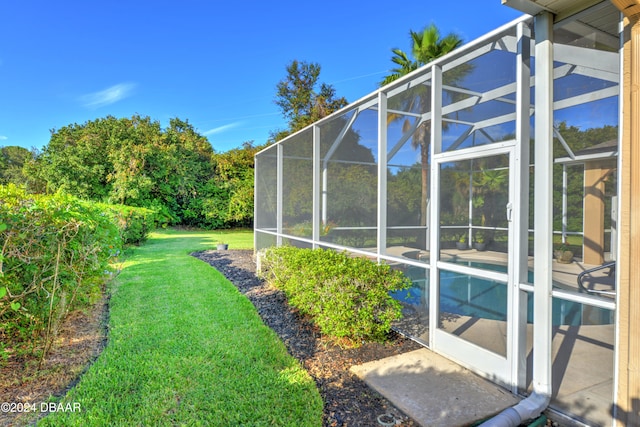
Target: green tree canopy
234, 175
136, 162
302, 99
12, 161
131, 161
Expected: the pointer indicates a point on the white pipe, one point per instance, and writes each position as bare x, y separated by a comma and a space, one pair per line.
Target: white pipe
529, 408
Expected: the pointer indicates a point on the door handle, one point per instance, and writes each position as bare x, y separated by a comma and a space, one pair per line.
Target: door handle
509, 211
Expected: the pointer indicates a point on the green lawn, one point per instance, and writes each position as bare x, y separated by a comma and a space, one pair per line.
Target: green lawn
186, 348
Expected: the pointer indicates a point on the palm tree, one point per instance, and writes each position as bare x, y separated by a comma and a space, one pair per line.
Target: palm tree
427, 45
489, 184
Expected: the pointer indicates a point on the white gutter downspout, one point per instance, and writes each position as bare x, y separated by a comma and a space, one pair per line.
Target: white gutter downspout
538, 400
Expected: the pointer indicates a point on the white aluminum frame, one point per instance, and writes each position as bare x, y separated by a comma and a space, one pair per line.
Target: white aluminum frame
482, 361
510, 370
543, 195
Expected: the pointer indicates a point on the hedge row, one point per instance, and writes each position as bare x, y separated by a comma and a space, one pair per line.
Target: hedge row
133, 223
345, 297
54, 257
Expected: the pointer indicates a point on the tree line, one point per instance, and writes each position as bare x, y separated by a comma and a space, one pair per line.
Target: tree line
134, 161
174, 170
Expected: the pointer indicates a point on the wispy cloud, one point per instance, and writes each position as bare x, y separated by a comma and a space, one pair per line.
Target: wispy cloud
221, 129
108, 96
3, 138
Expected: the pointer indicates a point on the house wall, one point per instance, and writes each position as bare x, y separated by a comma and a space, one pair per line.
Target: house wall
628, 390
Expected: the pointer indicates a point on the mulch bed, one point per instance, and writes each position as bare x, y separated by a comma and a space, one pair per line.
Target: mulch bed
348, 401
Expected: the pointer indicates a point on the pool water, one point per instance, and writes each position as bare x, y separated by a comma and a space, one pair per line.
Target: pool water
481, 298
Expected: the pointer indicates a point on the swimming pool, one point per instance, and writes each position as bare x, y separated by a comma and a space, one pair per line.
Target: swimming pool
482, 298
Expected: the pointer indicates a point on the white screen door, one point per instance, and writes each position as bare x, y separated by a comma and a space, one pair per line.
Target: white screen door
473, 286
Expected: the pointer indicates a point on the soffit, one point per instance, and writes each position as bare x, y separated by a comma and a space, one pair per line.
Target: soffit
560, 8
631, 8
586, 18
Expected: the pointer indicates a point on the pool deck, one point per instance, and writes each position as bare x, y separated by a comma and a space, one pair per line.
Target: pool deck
564, 275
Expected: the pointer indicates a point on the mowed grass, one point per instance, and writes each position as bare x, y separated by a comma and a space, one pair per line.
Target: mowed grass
186, 348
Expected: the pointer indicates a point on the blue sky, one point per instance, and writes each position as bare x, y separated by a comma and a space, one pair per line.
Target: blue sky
215, 64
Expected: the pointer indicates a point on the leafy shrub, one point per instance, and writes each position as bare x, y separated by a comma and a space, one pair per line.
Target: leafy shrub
54, 254
134, 223
345, 297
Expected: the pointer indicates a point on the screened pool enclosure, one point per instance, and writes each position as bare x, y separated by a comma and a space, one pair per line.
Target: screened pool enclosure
468, 175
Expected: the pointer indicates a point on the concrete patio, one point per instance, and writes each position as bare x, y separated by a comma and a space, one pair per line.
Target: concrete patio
434, 391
